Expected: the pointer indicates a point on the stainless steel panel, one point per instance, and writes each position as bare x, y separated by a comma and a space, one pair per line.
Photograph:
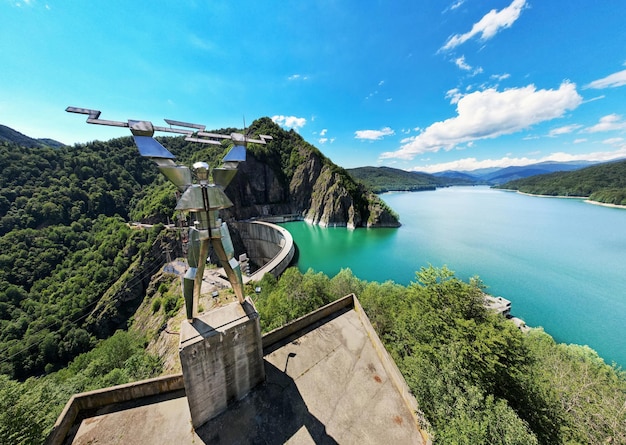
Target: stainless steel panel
150, 148
223, 176
179, 175
236, 154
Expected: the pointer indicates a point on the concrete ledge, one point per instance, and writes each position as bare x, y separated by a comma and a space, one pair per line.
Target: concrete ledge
305, 321
392, 370
108, 396
162, 385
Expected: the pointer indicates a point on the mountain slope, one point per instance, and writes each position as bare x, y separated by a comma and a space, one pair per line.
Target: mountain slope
385, 179
289, 175
10, 135
603, 183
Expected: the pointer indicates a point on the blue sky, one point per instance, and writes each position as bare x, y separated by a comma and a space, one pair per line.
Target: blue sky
419, 85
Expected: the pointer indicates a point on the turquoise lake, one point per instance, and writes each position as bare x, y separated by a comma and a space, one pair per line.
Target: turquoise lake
561, 262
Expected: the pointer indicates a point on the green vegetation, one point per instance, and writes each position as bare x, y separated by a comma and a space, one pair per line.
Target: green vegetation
29, 409
604, 183
386, 179
65, 244
476, 377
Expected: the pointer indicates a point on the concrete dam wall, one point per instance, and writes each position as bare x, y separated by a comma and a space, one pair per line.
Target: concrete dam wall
267, 245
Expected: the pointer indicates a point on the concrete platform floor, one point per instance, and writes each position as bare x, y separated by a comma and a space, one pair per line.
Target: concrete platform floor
325, 386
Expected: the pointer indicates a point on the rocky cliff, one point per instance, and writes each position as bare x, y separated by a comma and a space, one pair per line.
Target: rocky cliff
290, 176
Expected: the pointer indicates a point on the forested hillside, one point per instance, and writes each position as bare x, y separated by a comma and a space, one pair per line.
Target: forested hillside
386, 179
604, 183
65, 239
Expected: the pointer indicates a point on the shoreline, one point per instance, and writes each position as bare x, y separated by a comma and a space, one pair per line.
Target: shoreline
605, 204
584, 198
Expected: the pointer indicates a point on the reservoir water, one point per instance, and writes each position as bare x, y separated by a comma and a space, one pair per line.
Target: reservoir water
562, 262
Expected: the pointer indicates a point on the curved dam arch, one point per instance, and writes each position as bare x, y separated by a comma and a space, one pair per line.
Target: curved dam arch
268, 245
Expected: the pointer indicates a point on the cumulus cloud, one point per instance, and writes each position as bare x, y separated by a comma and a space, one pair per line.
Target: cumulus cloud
489, 25
373, 135
614, 80
323, 132
610, 122
290, 121
490, 113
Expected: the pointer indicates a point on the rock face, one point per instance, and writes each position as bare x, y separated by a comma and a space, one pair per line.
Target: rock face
290, 176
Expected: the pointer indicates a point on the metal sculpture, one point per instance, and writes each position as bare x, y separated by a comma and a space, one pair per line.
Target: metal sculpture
203, 198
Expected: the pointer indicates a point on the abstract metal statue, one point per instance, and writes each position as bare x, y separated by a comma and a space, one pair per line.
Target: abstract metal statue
203, 198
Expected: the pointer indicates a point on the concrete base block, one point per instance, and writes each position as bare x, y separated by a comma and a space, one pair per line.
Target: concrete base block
222, 359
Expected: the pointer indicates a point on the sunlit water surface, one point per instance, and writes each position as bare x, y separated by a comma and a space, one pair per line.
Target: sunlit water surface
561, 262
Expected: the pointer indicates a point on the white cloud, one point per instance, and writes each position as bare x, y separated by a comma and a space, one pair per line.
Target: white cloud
564, 130
500, 77
613, 141
381, 83
469, 164
454, 95
297, 77
457, 4
373, 135
490, 113
489, 25
614, 80
460, 62
610, 122
580, 141
322, 140
290, 121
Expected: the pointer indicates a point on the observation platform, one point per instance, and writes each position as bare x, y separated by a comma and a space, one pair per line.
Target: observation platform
329, 380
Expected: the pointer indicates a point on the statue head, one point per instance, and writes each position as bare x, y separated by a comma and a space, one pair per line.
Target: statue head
201, 170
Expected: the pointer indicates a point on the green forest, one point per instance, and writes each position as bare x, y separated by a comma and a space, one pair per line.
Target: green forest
67, 248
386, 179
604, 183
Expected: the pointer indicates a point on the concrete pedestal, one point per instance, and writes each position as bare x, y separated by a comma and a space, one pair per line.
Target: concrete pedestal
222, 359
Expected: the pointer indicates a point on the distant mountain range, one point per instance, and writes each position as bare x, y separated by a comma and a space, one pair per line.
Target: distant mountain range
10, 135
497, 176
383, 179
